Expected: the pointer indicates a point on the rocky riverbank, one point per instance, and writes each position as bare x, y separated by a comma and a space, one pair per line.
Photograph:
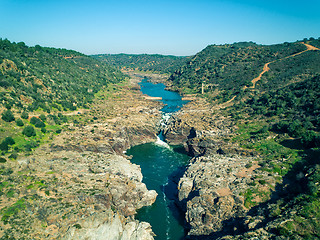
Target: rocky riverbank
80, 185
222, 181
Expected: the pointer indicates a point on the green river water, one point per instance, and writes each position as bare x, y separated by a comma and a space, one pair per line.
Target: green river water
160, 164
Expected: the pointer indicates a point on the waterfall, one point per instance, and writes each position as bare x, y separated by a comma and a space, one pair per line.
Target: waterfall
161, 143
163, 123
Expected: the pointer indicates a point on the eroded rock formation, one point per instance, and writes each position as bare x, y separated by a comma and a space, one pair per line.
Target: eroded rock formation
216, 187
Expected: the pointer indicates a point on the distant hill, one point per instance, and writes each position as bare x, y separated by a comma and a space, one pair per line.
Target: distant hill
143, 62
47, 78
230, 68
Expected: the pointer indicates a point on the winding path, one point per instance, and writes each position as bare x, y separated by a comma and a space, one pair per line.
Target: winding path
266, 66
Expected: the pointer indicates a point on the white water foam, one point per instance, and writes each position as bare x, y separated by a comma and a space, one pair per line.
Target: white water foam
165, 119
163, 123
161, 143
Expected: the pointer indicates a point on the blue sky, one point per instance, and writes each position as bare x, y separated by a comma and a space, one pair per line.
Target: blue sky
166, 27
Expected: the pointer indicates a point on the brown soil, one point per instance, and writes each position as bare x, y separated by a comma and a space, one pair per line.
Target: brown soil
247, 171
224, 192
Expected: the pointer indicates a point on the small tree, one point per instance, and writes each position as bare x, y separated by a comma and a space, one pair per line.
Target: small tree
29, 131
9, 141
34, 120
25, 115
19, 122
8, 106
37, 122
309, 139
8, 116
4, 145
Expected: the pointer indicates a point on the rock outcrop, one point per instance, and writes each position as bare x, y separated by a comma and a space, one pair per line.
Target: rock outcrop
109, 226
198, 129
210, 191
221, 182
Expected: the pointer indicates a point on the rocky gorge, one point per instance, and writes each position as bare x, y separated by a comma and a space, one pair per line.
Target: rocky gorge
222, 181
82, 185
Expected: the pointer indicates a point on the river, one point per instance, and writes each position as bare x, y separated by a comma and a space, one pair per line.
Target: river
160, 164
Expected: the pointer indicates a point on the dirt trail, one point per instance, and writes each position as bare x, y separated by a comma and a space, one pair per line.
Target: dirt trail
310, 47
266, 66
70, 57
265, 69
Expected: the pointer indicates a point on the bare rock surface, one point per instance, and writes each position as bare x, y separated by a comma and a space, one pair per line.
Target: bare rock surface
110, 226
210, 191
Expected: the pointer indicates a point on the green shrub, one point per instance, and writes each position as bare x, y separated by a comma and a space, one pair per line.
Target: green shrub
7, 106
310, 139
4, 145
264, 129
19, 122
262, 181
43, 117
2, 160
28, 147
34, 120
62, 117
40, 124
9, 141
43, 129
281, 126
296, 129
37, 122
10, 193
29, 131
8, 116
13, 156
248, 165
25, 115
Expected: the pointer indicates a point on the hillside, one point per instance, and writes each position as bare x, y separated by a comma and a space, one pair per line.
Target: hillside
39, 86
230, 68
155, 63
65, 121
260, 103
44, 78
